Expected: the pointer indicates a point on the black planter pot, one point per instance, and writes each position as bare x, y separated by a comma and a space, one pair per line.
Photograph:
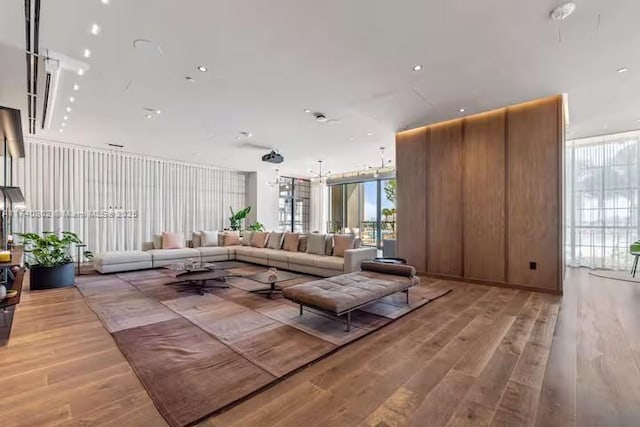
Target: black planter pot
52, 277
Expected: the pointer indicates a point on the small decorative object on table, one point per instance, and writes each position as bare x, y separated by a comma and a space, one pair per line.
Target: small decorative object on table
5, 256
9, 242
3, 292
273, 274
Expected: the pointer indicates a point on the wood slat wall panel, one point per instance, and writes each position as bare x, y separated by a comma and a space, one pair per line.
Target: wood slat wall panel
444, 206
484, 197
411, 170
533, 230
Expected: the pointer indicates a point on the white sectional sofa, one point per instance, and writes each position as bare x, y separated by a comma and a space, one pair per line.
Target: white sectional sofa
325, 265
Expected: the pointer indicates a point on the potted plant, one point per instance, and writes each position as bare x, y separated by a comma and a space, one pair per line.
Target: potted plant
49, 258
237, 217
256, 226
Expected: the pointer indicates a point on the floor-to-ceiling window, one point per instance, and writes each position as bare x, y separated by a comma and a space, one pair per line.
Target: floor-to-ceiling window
364, 208
602, 190
294, 204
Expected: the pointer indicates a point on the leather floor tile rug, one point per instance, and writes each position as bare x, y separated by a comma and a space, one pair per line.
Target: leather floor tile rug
198, 354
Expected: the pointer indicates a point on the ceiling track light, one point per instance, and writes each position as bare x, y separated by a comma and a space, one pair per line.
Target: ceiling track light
417, 67
202, 68
87, 53
81, 71
623, 69
95, 29
76, 87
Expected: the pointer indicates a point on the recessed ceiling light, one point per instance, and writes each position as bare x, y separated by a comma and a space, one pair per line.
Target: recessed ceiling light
201, 68
307, 110
417, 67
76, 87
190, 79
370, 133
196, 154
563, 11
105, 1
81, 71
72, 99
352, 139
462, 110
158, 111
95, 29
63, 124
147, 116
87, 53
60, 130
68, 109
66, 117
623, 70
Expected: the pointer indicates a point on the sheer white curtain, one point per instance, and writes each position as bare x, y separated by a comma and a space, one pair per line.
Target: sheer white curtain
602, 188
115, 200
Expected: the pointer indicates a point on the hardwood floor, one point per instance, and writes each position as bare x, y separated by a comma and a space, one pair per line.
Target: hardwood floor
480, 356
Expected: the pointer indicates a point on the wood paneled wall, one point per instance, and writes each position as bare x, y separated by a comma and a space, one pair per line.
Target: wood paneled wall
411, 153
480, 197
444, 204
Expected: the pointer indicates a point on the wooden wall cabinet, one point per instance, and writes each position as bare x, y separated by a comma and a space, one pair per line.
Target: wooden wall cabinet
480, 197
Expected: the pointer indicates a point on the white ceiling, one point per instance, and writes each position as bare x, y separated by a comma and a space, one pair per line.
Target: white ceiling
352, 60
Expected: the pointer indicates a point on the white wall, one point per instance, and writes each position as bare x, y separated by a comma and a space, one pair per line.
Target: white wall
266, 200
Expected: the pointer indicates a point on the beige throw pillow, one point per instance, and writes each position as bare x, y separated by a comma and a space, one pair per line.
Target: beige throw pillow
341, 243
157, 241
230, 238
291, 242
195, 240
275, 240
259, 239
316, 244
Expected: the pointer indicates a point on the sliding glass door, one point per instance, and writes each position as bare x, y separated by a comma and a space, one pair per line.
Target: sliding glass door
366, 209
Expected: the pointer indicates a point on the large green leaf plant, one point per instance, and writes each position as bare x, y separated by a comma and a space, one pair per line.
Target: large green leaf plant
50, 249
236, 218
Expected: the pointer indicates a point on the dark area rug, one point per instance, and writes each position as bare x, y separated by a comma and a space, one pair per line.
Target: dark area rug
197, 354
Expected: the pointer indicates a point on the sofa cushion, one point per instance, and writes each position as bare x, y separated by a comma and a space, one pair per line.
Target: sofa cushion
230, 238
330, 262
258, 253
157, 241
316, 244
195, 239
120, 257
243, 250
275, 240
341, 243
259, 239
213, 250
302, 258
168, 254
246, 238
172, 240
302, 243
208, 238
277, 254
290, 242
328, 244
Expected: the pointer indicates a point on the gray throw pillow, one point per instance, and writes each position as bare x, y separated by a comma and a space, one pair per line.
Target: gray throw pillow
246, 238
328, 244
157, 241
195, 240
275, 240
302, 243
208, 238
316, 244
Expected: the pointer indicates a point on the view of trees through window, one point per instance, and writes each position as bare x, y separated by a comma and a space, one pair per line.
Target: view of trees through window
602, 188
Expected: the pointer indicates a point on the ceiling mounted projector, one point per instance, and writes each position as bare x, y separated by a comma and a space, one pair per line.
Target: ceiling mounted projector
273, 157
563, 11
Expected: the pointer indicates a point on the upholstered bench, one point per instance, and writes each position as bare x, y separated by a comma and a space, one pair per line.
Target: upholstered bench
111, 262
340, 295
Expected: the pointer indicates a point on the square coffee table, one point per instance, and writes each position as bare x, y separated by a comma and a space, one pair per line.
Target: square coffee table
265, 278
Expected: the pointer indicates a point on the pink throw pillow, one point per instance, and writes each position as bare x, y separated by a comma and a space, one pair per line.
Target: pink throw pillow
172, 240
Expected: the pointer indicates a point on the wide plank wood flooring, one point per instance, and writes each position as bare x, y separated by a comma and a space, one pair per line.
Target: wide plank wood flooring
479, 356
